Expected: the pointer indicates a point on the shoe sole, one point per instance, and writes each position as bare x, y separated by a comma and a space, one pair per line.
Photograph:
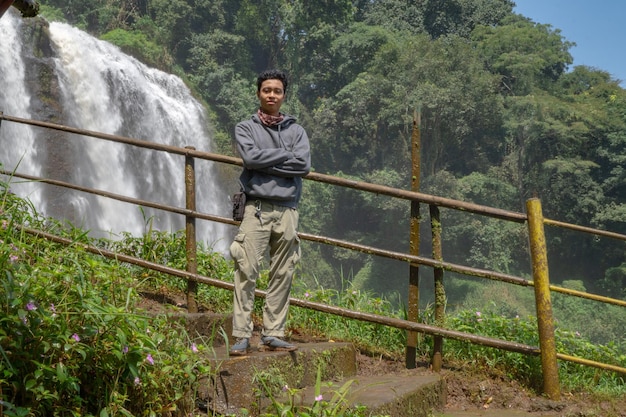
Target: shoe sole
278, 349
239, 352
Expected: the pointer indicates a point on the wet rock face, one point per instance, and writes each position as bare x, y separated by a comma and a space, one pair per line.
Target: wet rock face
28, 8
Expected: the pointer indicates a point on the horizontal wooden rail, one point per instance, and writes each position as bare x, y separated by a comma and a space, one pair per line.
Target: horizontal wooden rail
324, 178
119, 197
400, 256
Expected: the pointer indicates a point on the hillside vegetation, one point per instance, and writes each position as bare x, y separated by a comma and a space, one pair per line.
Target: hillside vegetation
504, 117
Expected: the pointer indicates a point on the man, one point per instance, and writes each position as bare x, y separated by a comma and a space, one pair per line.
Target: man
276, 155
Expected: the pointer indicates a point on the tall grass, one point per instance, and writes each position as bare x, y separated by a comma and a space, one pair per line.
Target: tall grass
382, 340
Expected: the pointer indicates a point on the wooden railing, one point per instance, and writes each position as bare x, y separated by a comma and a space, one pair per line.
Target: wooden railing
533, 218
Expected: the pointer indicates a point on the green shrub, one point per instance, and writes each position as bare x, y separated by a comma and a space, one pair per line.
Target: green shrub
527, 369
71, 340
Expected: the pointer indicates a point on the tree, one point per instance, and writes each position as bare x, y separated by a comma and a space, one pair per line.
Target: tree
460, 108
262, 25
172, 24
525, 55
460, 17
403, 16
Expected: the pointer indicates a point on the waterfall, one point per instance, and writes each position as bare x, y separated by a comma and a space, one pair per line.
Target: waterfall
16, 141
104, 90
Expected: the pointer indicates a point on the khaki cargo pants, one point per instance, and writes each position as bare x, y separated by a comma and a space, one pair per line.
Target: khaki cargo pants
264, 225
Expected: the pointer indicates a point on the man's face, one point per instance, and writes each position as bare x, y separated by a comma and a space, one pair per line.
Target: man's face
271, 96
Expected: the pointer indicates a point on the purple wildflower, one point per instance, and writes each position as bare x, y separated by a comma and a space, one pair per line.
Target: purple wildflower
150, 359
76, 337
30, 306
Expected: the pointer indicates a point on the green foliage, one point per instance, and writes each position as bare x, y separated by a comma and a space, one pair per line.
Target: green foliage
369, 337
170, 249
524, 54
527, 368
94, 16
51, 14
71, 340
335, 403
138, 45
598, 322
601, 323
614, 281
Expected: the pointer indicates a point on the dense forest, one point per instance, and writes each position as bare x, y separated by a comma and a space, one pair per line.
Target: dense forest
504, 117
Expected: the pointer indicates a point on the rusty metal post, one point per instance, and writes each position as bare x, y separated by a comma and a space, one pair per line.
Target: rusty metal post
545, 321
440, 292
190, 231
414, 245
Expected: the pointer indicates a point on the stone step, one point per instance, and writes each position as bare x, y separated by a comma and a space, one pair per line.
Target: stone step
238, 386
237, 382
386, 395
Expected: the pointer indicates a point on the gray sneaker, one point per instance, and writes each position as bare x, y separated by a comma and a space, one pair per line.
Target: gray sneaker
241, 347
274, 343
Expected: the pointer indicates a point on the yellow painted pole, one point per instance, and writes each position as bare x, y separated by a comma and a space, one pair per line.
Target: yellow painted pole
414, 245
190, 231
545, 320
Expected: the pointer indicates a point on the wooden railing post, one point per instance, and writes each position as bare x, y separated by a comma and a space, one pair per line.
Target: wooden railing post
414, 245
545, 321
440, 293
190, 231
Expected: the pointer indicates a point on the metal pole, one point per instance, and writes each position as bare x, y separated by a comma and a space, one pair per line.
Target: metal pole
190, 231
440, 292
414, 245
545, 321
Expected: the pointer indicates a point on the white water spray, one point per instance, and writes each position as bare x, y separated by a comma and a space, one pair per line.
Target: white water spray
15, 100
104, 90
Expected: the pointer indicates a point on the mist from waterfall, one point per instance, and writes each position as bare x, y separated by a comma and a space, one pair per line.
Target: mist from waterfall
16, 141
104, 90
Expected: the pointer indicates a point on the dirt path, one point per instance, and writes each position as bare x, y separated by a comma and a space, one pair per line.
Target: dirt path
474, 394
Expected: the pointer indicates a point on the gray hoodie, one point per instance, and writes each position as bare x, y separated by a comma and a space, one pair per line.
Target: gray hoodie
274, 158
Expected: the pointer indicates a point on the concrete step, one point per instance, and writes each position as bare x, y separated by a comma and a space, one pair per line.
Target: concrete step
497, 413
387, 395
239, 385
238, 382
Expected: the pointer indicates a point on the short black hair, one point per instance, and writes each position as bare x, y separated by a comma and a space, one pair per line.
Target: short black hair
272, 74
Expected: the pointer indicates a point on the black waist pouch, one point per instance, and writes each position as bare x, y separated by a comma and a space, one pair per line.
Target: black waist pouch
239, 205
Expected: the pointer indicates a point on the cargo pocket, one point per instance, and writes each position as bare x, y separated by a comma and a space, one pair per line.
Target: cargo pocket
297, 253
236, 248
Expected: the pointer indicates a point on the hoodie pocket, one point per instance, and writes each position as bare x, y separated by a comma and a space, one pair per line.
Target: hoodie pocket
272, 187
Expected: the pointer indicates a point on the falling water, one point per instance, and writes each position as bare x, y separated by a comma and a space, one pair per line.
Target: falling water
15, 100
102, 89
